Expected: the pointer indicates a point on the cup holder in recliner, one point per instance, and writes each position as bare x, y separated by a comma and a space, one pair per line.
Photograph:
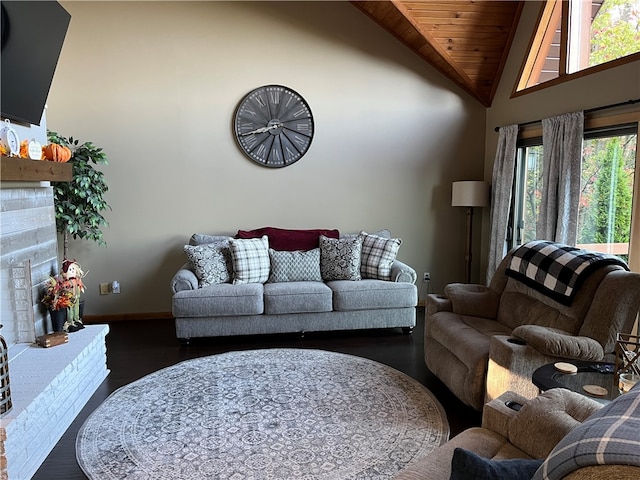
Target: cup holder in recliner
516, 341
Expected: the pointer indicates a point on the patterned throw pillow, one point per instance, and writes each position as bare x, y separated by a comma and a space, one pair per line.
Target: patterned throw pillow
211, 262
378, 254
340, 258
296, 266
250, 260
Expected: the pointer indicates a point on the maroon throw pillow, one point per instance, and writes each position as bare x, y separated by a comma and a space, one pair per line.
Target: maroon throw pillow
289, 240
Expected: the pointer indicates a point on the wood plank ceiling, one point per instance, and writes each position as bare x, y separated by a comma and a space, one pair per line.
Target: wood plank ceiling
467, 41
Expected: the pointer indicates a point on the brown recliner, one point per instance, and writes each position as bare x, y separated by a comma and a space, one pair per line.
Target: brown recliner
482, 341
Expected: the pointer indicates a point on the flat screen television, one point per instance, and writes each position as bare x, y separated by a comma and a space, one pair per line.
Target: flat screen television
32, 38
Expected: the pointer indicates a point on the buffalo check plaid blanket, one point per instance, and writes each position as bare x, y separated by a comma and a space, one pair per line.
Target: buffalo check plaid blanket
611, 436
554, 269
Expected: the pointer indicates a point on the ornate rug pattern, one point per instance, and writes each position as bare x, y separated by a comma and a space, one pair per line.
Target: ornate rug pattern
263, 414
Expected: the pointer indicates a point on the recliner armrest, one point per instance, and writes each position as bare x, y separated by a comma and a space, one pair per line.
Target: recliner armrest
474, 300
437, 303
496, 415
544, 420
401, 272
184, 279
558, 343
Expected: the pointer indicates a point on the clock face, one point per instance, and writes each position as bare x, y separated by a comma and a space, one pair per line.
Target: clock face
273, 126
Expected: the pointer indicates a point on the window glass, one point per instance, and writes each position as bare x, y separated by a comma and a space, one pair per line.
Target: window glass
606, 193
614, 31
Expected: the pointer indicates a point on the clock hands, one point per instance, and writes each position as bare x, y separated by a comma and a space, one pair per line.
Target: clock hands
263, 129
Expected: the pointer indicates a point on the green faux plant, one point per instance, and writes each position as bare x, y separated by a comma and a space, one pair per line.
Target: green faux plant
79, 203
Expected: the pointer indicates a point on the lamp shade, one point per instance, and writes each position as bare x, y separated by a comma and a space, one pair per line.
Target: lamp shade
470, 194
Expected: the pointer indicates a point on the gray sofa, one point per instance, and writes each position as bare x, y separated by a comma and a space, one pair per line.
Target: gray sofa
225, 309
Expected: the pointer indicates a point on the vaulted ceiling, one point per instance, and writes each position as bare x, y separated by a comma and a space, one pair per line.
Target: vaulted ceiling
467, 41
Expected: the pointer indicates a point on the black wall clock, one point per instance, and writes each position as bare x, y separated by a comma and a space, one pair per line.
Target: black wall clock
273, 126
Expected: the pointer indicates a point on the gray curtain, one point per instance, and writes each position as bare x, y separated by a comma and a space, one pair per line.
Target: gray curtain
562, 144
501, 192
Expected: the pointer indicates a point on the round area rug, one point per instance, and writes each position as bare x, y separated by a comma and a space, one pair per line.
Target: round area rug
263, 414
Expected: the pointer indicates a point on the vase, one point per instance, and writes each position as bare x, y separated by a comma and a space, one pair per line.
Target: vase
58, 319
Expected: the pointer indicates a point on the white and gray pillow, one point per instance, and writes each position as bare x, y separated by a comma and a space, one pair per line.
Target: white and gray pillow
295, 266
250, 259
211, 262
340, 258
378, 254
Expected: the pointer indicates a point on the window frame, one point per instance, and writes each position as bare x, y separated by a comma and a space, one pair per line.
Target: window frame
542, 37
618, 118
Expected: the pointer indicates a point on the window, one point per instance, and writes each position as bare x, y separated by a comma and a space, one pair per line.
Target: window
609, 163
606, 191
580, 36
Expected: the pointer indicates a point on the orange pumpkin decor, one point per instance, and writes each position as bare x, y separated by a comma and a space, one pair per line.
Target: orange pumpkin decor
56, 153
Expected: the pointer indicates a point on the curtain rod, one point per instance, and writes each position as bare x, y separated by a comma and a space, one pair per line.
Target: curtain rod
590, 110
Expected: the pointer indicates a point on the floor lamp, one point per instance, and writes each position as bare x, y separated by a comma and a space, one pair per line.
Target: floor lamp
469, 194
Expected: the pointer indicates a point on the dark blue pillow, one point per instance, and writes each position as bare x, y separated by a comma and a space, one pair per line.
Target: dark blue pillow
466, 465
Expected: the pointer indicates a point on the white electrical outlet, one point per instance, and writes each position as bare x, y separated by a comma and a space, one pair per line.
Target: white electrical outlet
426, 277
115, 287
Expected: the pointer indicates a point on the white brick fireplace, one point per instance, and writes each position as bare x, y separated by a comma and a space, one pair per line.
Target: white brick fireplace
49, 386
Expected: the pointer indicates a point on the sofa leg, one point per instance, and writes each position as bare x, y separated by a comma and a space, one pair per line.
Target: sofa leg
407, 330
184, 341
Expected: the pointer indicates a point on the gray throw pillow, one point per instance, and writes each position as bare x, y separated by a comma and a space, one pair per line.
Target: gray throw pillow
211, 262
378, 254
250, 260
201, 238
295, 266
340, 258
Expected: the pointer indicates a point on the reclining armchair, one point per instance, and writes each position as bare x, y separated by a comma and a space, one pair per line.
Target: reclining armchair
483, 341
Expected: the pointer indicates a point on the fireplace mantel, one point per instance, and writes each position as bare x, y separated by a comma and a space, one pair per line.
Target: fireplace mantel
15, 169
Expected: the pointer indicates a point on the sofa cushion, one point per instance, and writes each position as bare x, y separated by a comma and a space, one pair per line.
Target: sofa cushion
465, 336
466, 465
287, 239
296, 266
210, 262
297, 297
340, 258
224, 299
369, 294
378, 254
251, 262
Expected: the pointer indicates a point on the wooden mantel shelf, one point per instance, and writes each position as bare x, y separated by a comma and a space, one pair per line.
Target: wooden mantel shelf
23, 170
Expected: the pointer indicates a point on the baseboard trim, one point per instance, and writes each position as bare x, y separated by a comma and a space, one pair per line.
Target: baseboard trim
92, 319
89, 319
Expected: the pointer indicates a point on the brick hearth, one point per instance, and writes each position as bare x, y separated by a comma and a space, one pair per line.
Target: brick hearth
49, 387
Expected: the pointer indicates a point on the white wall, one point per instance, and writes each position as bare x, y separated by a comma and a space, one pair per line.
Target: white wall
608, 87
156, 85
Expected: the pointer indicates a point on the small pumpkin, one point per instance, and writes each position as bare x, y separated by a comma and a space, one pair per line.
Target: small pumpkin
56, 153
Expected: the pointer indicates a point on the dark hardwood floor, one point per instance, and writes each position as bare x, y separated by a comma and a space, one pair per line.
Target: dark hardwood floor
137, 348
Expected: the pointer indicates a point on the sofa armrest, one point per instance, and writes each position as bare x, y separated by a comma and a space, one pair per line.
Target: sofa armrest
557, 343
184, 279
401, 272
475, 300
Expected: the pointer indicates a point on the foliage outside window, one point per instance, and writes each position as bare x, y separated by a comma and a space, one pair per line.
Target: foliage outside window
579, 36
